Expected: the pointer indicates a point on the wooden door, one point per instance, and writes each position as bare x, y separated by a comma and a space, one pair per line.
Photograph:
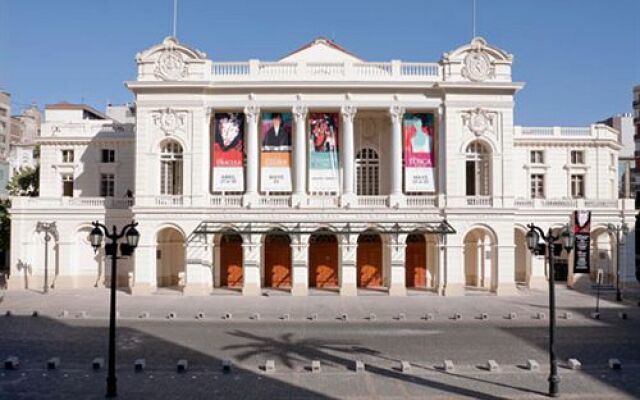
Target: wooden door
416, 261
231, 261
323, 261
369, 261
277, 261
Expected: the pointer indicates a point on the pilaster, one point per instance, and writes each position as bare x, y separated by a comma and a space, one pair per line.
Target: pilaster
348, 276
251, 248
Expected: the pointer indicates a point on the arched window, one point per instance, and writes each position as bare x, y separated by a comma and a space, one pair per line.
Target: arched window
368, 172
478, 169
171, 168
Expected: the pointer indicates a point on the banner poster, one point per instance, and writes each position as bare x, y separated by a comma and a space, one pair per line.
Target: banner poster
227, 153
582, 231
275, 154
323, 152
419, 164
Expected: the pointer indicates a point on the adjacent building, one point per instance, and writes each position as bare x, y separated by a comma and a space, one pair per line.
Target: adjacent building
319, 171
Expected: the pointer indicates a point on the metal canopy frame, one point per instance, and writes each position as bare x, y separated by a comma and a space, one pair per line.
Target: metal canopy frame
210, 227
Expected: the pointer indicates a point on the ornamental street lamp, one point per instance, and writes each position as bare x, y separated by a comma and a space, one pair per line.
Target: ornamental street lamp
49, 229
620, 232
111, 249
567, 239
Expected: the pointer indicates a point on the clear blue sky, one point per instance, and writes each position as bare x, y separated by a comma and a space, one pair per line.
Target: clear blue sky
579, 58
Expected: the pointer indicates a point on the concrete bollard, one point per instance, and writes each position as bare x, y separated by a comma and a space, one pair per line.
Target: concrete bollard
255, 316
532, 365
574, 364
568, 315
53, 363
614, 363
359, 366
97, 363
405, 367
512, 315
372, 317
226, 365
623, 315
484, 316
448, 366
144, 315
12, 362
82, 315
541, 315
493, 366
35, 314
285, 317
63, 314
117, 314
315, 366
343, 317
456, 316
228, 316
200, 315
182, 366
595, 315
428, 316
8, 313
313, 317
270, 366
139, 365
401, 317
172, 315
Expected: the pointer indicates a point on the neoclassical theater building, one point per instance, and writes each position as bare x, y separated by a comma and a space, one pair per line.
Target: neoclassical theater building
318, 172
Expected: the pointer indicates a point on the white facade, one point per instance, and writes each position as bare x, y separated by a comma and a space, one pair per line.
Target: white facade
492, 179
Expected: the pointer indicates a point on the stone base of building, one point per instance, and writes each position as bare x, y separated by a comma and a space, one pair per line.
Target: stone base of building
142, 289
538, 282
299, 290
196, 290
348, 290
506, 289
397, 290
251, 289
453, 289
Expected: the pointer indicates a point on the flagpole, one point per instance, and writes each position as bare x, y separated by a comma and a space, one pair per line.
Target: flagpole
175, 17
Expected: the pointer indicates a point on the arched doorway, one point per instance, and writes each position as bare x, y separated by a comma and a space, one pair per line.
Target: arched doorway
170, 258
522, 258
479, 259
231, 260
602, 256
369, 260
323, 260
416, 261
277, 260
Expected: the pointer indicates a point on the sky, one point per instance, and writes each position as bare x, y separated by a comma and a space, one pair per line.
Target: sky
579, 58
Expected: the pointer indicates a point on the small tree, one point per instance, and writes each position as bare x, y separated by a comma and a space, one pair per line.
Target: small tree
25, 182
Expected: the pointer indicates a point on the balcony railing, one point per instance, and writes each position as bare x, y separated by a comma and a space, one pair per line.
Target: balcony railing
325, 201
169, 200
78, 202
420, 201
225, 201
479, 201
274, 201
372, 201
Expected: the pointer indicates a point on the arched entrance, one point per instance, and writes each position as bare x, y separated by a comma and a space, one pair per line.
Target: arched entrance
369, 260
89, 267
231, 260
416, 261
277, 260
170, 258
522, 260
603, 256
323, 260
479, 259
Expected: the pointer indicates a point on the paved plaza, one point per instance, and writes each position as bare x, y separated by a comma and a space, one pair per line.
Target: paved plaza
379, 330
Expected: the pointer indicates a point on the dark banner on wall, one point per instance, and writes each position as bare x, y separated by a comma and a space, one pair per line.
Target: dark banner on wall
226, 160
582, 231
275, 155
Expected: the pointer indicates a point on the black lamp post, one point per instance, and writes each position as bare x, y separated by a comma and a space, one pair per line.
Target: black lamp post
617, 230
49, 228
111, 249
533, 239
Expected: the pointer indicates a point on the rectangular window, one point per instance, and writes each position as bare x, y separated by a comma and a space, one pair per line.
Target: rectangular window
577, 157
537, 186
577, 186
537, 157
67, 156
108, 156
107, 185
67, 185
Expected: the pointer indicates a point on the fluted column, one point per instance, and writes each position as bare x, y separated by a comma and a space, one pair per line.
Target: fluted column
396, 113
346, 149
300, 155
252, 112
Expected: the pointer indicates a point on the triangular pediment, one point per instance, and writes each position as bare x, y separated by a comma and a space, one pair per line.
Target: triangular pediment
321, 50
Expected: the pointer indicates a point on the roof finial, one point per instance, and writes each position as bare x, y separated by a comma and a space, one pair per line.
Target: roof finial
175, 18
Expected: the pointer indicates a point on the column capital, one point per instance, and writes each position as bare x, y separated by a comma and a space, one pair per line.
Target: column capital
348, 112
396, 112
299, 113
252, 111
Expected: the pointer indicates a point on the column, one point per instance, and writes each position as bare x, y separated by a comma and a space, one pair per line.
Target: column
455, 260
253, 164
346, 149
251, 261
299, 266
198, 277
300, 156
348, 268
538, 278
506, 277
441, 246
396, 112
397, 284
144, 277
